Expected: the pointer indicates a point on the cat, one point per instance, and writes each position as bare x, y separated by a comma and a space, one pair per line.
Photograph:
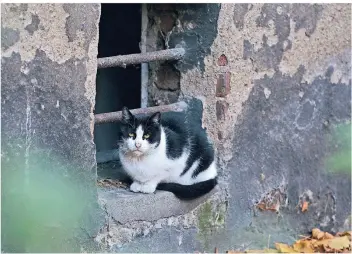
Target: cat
167, 153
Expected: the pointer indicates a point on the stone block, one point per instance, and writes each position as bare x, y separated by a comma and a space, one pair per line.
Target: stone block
125, 206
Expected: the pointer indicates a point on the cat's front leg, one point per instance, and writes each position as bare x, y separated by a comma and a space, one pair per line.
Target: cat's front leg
148, 187
136, 186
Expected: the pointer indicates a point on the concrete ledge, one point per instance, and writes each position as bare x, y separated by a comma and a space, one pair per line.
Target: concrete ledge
125, 206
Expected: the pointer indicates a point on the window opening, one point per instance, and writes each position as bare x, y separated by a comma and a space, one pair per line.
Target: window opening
119, 34
122, 78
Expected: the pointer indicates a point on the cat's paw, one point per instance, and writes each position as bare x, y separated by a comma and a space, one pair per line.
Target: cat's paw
148, 188
135, 187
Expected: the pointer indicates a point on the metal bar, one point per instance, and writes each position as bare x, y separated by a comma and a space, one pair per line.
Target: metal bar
144, 66
116, 116
124, 60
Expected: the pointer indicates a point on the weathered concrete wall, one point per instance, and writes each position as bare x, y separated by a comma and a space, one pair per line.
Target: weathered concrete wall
274, 82
48, 69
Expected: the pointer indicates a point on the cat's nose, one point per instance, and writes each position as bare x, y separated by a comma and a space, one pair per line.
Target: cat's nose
138, 145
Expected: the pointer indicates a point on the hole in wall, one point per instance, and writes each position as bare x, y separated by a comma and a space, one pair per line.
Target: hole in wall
119, 34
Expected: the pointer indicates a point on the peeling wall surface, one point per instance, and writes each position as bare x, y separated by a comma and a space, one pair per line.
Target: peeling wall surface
269, 82
48, 69
275, 81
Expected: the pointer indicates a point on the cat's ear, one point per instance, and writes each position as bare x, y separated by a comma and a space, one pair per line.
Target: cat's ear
126, 115
155, 118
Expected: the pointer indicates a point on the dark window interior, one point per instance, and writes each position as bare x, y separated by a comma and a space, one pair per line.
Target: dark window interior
119, 34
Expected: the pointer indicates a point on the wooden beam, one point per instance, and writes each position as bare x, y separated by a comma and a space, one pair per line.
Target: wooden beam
116, 116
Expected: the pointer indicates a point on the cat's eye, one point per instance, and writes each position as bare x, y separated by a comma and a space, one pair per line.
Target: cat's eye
146, 136
131, 135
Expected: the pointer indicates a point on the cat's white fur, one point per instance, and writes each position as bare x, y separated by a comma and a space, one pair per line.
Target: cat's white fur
148, 166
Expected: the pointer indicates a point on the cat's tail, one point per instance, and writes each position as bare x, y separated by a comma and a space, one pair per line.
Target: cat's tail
188, 192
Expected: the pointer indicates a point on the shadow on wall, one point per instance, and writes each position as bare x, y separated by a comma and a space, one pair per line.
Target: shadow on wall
119, 34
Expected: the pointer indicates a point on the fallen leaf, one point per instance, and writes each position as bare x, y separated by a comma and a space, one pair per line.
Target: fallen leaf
305, 206
346, 233
261, 206
328, 236
316, 232
318, 242
110, 182
284, 248
337, 243
304, 246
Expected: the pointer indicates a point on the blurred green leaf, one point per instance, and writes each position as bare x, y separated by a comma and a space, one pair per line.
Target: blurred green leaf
42, 207
340, 161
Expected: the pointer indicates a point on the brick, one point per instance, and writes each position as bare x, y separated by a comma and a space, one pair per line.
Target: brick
221, 110
220, 136
222, 61
223, 84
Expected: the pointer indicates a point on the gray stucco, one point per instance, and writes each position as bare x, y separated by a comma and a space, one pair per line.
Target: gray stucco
288, 87
47, 98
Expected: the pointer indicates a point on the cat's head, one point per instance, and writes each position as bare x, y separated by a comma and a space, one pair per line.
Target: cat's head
140, 136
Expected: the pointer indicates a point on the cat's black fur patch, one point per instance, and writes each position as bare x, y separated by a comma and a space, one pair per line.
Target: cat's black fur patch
183, 132
188, 192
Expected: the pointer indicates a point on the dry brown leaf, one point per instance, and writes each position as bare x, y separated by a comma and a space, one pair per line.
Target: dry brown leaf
337, 243
305, 206
110, 182
316, 232
284, 248
328, 236
304, 246
346, 233
261, 206
318, 242
321, 235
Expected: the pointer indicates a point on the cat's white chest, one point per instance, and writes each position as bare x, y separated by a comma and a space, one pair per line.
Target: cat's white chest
157, 168
147, 168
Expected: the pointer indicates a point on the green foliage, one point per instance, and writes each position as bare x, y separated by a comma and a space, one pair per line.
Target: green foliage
340, 161
42, 206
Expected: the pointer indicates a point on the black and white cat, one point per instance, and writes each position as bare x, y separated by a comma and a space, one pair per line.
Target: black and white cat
167, 153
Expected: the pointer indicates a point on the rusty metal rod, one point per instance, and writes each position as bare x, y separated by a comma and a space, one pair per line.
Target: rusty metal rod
124, 60
116, 116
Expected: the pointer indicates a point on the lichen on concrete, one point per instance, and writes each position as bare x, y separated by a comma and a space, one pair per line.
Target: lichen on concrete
211, 217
